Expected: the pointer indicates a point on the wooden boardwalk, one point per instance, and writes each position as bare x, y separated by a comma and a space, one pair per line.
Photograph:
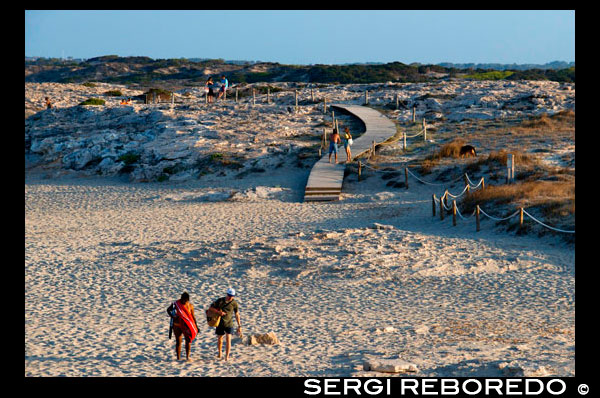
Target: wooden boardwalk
325, 179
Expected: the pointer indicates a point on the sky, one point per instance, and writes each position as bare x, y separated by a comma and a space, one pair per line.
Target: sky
304, 37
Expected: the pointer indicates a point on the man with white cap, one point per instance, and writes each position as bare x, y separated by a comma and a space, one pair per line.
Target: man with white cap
226, 307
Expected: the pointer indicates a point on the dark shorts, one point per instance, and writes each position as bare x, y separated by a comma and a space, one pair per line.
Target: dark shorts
333, 148
221, 330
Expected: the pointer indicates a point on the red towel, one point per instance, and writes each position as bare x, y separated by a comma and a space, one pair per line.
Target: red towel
187, 322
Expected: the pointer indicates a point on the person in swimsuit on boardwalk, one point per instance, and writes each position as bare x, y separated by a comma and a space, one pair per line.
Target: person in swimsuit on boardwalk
347, 143
334, 139
184, 323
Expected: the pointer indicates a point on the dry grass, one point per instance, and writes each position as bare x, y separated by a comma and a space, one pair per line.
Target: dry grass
525, 194
547, 192
553, 201
561, 122
448, 150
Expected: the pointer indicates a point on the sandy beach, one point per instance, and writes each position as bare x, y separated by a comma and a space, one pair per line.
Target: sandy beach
373, 276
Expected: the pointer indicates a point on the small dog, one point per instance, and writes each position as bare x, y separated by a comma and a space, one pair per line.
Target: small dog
467, 150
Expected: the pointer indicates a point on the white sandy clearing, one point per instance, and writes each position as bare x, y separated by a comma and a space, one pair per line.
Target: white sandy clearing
104, 258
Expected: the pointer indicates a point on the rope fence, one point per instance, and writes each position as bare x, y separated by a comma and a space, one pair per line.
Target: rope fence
444, 207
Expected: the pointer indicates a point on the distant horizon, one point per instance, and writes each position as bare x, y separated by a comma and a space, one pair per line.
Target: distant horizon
305, 37
269, 61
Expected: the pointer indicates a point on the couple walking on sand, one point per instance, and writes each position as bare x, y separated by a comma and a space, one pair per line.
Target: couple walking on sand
183, 322
335, 139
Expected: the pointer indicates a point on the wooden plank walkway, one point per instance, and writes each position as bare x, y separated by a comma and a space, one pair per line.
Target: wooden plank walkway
325, 179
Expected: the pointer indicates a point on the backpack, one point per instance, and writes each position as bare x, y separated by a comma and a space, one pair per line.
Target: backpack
213, 320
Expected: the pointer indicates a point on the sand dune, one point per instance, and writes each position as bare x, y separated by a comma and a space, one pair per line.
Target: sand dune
105, 258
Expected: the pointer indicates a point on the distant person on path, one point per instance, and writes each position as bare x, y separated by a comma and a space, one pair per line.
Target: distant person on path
334, 139
224, 85
210, 94
48, 103
226, 307
184, 323
347, 143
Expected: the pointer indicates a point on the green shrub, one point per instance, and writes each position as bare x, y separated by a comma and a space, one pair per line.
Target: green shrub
129, 158
89, 84
93, 101
492, 75
114, 93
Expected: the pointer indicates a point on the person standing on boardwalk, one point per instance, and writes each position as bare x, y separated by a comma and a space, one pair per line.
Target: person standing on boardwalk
184, 323
226, 307
347, 143
224, 85
334, 139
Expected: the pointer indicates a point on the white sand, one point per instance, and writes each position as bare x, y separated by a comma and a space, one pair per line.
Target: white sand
104, 258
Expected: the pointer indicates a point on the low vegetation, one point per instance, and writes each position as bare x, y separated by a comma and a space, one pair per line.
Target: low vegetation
93, 101
113, 93
144, 70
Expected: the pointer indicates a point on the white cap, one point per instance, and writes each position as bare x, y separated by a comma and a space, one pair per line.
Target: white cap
231, 292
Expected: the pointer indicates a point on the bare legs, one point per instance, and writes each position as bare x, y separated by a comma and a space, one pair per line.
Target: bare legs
227, 345
178, 348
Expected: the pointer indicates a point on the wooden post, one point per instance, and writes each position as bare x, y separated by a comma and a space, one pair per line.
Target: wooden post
510, 168
477, 218
253, 96
268, 95
482, 183
397, 102
359, 169
521, 218
433, 204
172, 98
454, 213
333, 119
236, 95
424, 130
442, 207
404, 134
324, 105
366, 97
296, 95
413, 114
146, 99
466, 179
406, 177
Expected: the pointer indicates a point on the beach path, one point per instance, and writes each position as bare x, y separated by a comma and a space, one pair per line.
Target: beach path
325, 179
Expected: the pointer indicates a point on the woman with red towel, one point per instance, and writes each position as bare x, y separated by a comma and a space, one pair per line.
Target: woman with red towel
184, 323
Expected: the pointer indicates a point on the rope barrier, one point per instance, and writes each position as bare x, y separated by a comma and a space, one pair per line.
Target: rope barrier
499, 219
547, 226
416, 135
431, 183
460, 194
461, 216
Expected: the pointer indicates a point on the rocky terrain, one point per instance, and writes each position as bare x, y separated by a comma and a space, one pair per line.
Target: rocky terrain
190, 139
